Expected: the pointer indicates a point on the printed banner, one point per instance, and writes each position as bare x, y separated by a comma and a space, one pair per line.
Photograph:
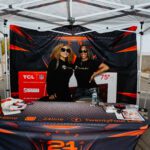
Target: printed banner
30, 51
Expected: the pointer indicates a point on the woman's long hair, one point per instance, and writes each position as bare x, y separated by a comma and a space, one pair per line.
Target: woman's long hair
56, 53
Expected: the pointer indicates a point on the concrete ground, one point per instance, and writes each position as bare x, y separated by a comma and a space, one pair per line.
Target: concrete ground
145, 95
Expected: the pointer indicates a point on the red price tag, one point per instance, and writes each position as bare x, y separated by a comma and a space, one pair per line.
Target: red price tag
105, 76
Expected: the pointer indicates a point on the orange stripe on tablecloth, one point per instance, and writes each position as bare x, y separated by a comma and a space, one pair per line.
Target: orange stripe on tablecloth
6, 131
130, 133
59, 127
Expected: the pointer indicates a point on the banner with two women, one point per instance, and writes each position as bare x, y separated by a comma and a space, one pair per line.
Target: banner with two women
30, 50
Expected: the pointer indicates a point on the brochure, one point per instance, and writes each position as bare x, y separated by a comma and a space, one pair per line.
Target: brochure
12, 106
132, 114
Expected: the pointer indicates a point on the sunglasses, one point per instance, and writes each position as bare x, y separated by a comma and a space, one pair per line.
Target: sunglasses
82, 51
65, 49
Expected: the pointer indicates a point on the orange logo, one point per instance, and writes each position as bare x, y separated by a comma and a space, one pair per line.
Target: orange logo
76, 120
30, 118
70, 39
61, 145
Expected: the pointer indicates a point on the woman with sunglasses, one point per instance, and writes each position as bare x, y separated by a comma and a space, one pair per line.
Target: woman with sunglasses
59, 73
86, 69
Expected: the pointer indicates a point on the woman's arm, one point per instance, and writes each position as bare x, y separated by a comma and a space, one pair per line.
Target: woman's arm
102, 68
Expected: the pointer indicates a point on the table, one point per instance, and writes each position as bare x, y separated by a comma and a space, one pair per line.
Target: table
68, 126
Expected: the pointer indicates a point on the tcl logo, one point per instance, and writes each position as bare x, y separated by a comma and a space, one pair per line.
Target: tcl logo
28, 77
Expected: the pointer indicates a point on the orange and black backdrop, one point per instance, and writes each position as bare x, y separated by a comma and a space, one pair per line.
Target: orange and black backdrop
30, 51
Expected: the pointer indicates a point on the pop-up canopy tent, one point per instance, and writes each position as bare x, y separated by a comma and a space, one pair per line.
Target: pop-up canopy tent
97, 15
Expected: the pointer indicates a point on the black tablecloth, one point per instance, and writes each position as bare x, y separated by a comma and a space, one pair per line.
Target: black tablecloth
74, 126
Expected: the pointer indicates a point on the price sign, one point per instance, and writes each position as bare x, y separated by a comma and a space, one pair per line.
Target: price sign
109, 78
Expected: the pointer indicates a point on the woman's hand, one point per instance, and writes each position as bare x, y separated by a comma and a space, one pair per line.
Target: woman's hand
92, 77
102, 68
52, 97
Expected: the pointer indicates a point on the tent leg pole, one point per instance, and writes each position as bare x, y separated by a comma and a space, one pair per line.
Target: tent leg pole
139, 65
1, 61
2, 69
6, 60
